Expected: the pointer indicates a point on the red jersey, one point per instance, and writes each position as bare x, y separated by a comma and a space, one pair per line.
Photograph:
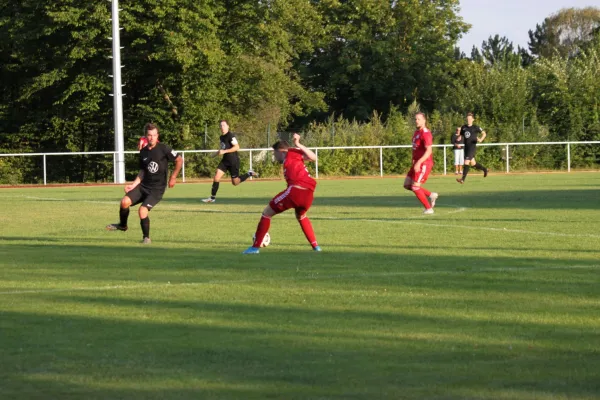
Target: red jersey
421, 139
295, 171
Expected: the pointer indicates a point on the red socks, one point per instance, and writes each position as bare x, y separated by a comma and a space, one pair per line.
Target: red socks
308, 231
261, 230
420, 193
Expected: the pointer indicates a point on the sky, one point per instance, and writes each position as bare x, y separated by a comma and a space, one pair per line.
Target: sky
510, 18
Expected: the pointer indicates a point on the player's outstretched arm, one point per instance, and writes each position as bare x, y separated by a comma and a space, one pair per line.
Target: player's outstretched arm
175, 174
308, 153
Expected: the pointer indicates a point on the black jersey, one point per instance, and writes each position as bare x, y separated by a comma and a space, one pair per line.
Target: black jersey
155, 164
228, 140
470, 134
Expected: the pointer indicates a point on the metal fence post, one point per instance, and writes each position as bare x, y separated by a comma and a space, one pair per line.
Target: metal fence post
507, 159
381, 161
568, 157
445, 166
44, 169
183, 165
251, 162
317, 164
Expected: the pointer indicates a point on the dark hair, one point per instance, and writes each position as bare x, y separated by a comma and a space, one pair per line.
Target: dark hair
224, 120
423, 114
281, 145
470, 114
150, 127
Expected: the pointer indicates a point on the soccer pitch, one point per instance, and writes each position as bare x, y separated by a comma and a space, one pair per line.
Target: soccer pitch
496, 296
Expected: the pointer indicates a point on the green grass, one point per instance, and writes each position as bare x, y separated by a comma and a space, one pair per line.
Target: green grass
496, 296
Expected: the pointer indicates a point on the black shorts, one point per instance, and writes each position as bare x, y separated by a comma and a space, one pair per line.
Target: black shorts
148, 197
470, 152
231, 166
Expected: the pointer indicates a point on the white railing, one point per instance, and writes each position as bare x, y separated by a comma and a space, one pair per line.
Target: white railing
505, 146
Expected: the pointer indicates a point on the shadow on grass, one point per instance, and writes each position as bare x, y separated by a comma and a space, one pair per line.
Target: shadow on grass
529, 199
194, 323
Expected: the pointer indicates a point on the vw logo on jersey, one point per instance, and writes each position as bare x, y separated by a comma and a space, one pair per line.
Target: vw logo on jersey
467, 134
223, 145
153, 167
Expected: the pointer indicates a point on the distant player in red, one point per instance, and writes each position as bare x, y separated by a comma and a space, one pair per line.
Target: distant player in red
298, 195
422, 161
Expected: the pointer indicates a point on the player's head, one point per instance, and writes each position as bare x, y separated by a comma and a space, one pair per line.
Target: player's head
470, 118
224, 125
280, 150
420, 120
151, 131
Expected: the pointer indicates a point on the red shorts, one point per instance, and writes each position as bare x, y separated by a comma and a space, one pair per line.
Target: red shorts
292, 197
422, 175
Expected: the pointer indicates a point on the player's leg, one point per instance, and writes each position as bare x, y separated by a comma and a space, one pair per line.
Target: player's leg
415, 180
215, 185
304, 199
479, 167
277, 205
236, 178
469, 156
132, 198
150, 201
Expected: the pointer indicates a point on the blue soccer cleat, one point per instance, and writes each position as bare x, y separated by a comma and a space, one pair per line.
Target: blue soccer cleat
317, 248
251, 250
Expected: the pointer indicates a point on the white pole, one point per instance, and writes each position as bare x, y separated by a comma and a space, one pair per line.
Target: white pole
251, 163
445, 160
317, 164
183, 165
44, 169
568, 157
507, 160
117, 96
381, 161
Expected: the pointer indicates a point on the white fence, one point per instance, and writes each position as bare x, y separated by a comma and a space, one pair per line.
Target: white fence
506, 151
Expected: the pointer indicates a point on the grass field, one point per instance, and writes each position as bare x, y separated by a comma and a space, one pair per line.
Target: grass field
496, 296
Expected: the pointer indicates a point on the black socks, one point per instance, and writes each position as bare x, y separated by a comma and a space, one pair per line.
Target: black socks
123, 215
145, 224
215, 189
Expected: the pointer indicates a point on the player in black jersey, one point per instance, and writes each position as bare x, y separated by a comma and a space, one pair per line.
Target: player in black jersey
150, 184
230, 162
471, 133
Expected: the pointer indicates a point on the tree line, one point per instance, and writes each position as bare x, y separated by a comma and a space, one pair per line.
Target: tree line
330, 68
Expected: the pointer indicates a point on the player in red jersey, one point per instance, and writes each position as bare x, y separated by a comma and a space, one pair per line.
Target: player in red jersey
298, 195
422, 160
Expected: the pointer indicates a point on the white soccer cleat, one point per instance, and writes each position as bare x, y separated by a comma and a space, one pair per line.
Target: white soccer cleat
433, 197
209, 200
429, 211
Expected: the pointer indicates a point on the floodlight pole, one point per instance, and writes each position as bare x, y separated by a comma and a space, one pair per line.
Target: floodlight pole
117, 96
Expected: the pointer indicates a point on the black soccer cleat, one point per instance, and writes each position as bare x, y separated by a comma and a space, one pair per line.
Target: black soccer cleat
485, 172
116, 227
460, 180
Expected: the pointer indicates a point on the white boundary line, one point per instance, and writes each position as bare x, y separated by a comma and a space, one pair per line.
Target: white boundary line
312, 276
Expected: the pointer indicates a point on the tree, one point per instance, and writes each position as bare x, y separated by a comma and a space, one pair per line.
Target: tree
563, 33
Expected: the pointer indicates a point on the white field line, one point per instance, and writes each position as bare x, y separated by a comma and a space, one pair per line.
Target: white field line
310, 276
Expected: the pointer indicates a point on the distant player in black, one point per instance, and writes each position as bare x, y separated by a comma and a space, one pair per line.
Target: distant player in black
150, 184
470, 132
230, 162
